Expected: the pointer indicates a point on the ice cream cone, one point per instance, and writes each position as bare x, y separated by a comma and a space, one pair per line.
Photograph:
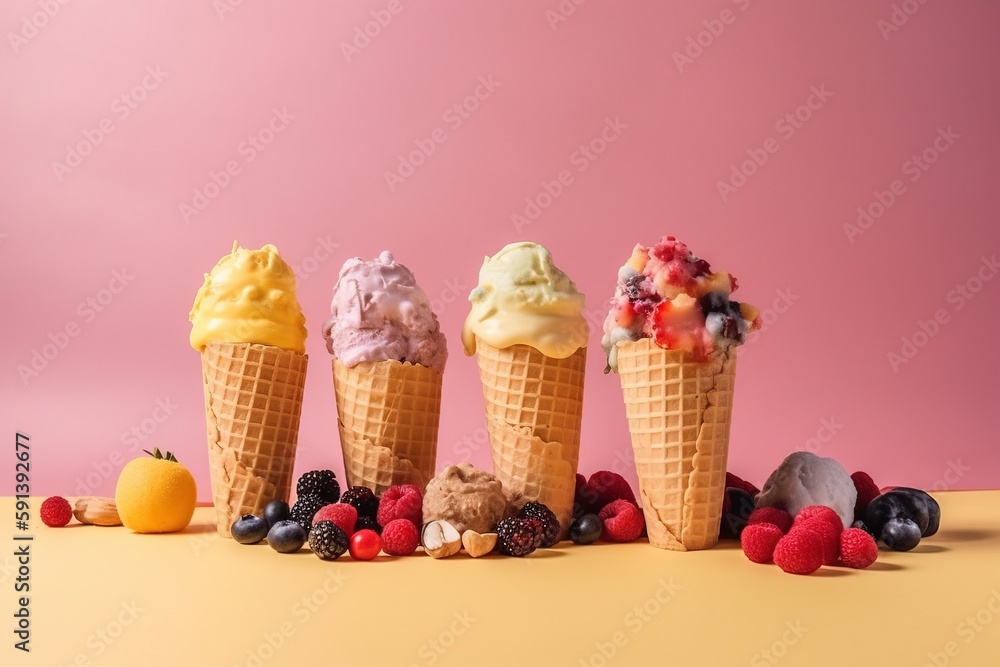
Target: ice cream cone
388, 414
679, 411
253, 399
534, 406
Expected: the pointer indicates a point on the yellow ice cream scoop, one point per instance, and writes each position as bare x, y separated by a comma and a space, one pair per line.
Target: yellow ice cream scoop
249, 297
523, 299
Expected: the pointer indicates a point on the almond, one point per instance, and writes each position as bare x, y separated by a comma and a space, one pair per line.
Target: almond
97, 511
478, 544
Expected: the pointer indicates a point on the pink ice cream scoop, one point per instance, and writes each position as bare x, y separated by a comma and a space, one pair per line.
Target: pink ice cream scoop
379, 313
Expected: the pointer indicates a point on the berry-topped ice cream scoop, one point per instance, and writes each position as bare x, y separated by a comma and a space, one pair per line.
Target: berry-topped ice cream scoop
667, 294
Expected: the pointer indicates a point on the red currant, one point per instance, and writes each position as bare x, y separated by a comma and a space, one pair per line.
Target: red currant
365, 544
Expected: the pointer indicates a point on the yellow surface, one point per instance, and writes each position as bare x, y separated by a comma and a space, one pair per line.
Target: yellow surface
105, 596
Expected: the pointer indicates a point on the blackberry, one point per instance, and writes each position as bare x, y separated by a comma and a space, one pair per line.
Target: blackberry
517, 536
550, 524
328, 540
322, 483
861, 524
369, 523
362, 499
305, 509
537, 528
633, 287
736, 508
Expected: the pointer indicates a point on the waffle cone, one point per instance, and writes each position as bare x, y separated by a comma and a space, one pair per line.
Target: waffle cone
534, 406
388, 414
678, 413
253, 399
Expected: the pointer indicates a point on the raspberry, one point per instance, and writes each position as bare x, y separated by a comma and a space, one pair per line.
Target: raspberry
607, 487
828, 534
772, 515
342, 514
799, 552
858, 549
758, 541
305, 509
403, 501
322, 483
622, 521
867, 490
517, 537
822, 512
733, 480
328, 541
56, 512
550, 524
673, 259
363, 499
400, 537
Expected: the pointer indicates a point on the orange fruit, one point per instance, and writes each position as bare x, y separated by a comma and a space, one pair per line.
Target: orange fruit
155, 494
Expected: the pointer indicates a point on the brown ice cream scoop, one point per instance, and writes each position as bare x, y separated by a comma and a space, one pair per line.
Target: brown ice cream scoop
465, 497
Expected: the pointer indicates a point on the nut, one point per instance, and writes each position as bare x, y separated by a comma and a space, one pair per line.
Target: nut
97, 511
478, 544
440, 539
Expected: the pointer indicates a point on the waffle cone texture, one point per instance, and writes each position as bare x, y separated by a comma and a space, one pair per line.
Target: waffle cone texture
679, 412
253, 400
388, 414
534, 407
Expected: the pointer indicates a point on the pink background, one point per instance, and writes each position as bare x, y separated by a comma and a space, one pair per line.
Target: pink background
818, 377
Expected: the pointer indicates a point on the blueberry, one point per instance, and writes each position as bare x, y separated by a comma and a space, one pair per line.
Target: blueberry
714, 302
901, 534
933, 509
275, 511
735, 520
286, 536
896, 505
586, 529
249, 529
